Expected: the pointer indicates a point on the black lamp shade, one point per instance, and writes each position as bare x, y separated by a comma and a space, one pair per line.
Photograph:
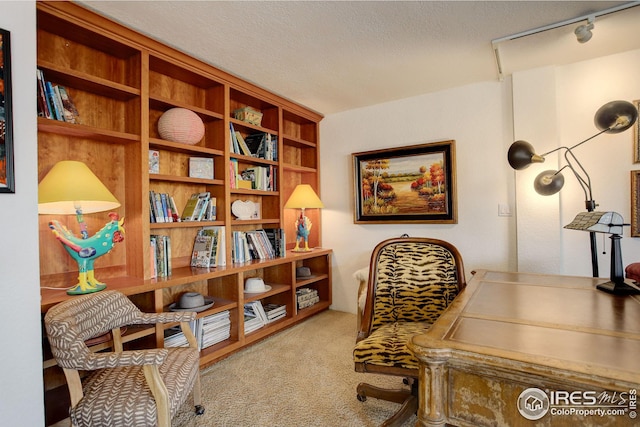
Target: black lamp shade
548, 182
521, 154
616, 116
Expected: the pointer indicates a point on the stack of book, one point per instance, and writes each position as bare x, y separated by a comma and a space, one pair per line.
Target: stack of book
200, 207
275, 311
208, 330
249, 245
254, 316
162, 208
277, 238
174, 337
54, 101
209, 247
215, 328
307, 297
160, 254
261, 145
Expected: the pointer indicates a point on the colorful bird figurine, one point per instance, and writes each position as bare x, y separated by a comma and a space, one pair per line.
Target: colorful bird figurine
303, 227
86, 250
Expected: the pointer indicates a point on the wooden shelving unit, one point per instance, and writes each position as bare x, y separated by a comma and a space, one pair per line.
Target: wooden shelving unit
122, 82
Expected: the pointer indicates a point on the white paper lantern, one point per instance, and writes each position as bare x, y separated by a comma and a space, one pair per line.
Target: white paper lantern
181, 125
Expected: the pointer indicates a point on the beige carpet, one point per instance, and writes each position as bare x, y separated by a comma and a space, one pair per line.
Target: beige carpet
300, 377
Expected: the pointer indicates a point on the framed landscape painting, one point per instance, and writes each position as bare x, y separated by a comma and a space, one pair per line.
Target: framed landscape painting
412, 184
6, 135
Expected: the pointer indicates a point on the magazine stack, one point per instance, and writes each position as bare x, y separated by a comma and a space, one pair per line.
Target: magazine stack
306, 297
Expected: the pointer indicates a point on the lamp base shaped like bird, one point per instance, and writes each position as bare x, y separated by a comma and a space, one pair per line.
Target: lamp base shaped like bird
86, 251
303, 228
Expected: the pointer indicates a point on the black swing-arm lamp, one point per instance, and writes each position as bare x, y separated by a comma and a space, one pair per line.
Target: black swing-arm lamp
613, 117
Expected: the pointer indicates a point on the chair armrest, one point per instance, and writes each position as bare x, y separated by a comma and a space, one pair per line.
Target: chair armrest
167, 317
155, 356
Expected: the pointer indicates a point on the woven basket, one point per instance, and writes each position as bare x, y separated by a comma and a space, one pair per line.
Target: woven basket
181, 125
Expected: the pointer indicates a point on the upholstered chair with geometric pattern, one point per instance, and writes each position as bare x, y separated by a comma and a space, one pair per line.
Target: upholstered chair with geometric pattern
412, 280
121, 388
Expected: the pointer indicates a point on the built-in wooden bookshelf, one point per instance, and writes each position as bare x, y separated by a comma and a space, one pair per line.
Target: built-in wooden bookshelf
121, 83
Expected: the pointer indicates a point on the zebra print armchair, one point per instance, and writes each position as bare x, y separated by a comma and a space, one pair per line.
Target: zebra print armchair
412, 280
123, 388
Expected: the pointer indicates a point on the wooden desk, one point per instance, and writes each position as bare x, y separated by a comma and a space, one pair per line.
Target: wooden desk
508, 332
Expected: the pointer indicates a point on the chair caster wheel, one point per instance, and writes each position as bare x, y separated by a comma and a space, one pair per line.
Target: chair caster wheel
362, 397
199, 409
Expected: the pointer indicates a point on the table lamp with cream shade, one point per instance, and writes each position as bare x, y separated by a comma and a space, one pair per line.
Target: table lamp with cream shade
71, 188
303, 197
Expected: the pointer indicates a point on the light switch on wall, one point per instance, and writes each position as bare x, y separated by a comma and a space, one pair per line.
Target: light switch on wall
504, 209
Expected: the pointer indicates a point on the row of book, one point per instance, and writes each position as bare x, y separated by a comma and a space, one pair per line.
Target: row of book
257, 177
162, 208
307, 297
160, 255
208, 330
256, 244
261, 145
200, 207
209, 247
54, 101
256, 315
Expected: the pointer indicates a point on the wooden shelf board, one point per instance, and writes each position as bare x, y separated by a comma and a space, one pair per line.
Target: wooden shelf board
177, 147
87, 82
161, 103
83, 131
184, 179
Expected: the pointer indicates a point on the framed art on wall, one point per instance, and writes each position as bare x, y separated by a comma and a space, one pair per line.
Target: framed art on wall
636, 135
6, 134
411, 184
635, 199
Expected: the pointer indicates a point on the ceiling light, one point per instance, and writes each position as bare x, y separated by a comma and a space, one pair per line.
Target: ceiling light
583, 32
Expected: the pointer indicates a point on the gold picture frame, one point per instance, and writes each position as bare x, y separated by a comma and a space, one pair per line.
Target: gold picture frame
636, 135
635, 199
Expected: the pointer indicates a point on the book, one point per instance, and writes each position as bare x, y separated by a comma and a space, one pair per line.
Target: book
154, 161
56, 106
194, 206
243, 144
201, 167
69, 110
44, 107
235, 147
203, 201
202, 247
218, 252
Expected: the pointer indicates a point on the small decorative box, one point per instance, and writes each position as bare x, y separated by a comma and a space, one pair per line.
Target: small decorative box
249, 115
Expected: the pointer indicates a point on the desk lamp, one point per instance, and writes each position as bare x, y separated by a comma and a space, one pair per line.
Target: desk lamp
612, 117
71, 188
609, 223
303, 197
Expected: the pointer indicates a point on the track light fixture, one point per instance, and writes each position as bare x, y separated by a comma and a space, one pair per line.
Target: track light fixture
583, 32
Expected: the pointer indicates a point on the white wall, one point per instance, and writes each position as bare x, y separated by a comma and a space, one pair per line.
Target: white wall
21, 355
552, 107
579, 90
478, 118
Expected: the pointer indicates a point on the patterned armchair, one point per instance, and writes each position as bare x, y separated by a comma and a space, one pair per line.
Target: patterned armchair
411, 282
123, 388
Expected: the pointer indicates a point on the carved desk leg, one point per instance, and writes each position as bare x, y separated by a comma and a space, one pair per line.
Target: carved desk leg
432, 393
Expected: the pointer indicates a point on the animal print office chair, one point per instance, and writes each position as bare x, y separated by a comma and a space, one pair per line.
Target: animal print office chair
123, 388
412, 280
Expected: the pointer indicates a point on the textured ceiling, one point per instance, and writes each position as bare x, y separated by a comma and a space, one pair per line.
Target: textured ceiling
333, 56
